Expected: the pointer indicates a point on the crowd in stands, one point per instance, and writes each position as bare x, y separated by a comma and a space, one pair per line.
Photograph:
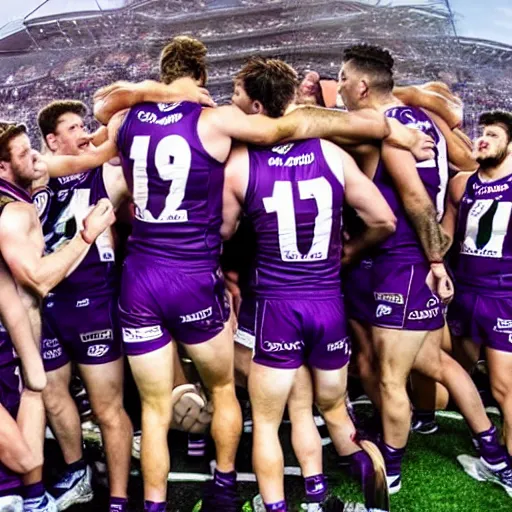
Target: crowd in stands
75, 57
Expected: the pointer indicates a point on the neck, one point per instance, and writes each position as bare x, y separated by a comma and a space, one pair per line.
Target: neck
498, 172
290, 108
382, 102
186, 80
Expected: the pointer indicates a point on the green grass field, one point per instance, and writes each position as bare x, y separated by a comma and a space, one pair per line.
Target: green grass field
433, 480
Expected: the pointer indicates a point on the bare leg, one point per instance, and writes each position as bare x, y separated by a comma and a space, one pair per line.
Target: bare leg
269, 389
63, 414
215, 363
153, 374
104, 384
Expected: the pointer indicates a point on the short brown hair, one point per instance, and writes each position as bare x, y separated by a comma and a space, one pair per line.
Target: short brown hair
8, 131
272, 82
48, 117
183, 57
499, 117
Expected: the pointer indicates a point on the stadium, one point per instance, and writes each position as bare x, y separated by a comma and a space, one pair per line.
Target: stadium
57, 51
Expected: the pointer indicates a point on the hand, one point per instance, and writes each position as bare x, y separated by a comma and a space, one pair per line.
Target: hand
439, 282
98, 220
40, 169
423, 147
34, 375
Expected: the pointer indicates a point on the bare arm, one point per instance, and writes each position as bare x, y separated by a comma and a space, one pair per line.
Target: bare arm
235, 186
434, 96
24, 257
459, 152
60, 165
123, 95
455, 193
14, 450
302, 123
402, 168
17, 322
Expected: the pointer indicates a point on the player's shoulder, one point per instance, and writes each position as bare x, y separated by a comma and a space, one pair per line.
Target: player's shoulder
459, 183
16, 216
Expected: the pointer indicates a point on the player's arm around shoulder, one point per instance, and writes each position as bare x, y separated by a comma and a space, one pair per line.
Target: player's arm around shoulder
236, 180
456, 190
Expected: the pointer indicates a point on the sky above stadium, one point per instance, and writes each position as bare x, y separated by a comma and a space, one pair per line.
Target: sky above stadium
489, 19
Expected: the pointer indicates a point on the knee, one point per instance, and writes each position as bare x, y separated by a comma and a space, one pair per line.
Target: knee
328, 402
56, 397
391, 386
108, 414
501, 390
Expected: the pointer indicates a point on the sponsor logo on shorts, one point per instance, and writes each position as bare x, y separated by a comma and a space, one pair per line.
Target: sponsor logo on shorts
282, 346
432, 302
383, 310
89, 337
52, 354
424, 314
342, 344
135, 335
97, 350
82, 303
50, 343
503, 325
198, 315
393, 298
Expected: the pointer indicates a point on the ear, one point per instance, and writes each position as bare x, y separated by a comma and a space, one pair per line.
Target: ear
4, 167
257, 107
51, 141
364, 88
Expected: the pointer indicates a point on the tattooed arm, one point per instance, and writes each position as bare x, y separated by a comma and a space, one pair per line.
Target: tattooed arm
422, 213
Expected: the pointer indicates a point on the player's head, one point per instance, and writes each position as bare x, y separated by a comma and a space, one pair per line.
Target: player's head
266, 86
62, 126
367, 70
183, 57
495, 143
17, 157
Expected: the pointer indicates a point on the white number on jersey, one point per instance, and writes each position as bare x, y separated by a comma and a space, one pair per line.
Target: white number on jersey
486, 228
281, 203
173, 158
78, 208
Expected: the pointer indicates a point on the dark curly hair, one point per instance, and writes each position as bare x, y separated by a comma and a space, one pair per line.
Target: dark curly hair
498, 117
375, 61
183, 57
48, 117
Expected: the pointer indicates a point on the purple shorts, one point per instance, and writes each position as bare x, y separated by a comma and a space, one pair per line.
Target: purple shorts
401, 297
10, 396
358, 291
84, 330
246, 323
291, 333
160, 302
483, 319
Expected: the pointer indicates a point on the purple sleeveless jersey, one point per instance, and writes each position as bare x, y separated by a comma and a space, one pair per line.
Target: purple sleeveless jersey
434, 175
62, 206
176, 185
483, 238
294, 201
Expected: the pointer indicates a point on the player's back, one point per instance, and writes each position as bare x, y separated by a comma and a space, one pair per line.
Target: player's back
433, 173
176, 185
62, 206
294, 200
483, 237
